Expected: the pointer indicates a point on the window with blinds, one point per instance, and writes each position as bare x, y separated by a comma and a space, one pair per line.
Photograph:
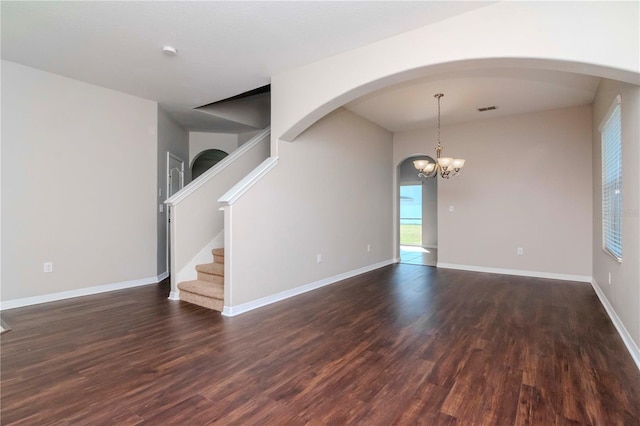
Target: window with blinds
611, 135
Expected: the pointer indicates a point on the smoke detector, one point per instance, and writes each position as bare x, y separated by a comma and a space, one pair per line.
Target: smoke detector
169, 51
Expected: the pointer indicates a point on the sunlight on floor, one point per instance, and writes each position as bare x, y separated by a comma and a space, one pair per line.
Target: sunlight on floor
414, 249
417, 255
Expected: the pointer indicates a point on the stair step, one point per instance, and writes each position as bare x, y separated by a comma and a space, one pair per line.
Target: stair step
218, 255
205, 302
208, 290
202, 288
216, 279
211, 268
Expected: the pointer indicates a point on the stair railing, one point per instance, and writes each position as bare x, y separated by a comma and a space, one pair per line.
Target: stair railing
197, 222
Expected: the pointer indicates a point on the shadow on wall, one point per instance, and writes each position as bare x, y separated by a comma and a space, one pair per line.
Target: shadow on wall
205, 160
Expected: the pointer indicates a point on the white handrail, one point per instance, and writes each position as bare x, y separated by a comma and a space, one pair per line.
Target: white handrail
248, 181
216, 169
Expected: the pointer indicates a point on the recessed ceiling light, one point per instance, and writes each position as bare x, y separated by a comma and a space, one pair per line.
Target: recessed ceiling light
169, 51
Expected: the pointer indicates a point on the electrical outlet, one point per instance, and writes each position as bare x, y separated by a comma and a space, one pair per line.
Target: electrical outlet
318, 258
451, 208
520, 251
47, 267
368, 248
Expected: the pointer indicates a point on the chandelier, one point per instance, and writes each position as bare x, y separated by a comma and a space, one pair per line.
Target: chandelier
446, 167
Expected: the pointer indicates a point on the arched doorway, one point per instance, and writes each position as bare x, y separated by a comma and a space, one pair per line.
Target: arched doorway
418, 215
205, 160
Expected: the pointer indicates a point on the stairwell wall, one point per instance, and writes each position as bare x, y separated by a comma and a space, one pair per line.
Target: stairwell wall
330, 195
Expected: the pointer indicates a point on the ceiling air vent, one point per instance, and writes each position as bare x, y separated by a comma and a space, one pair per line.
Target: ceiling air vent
489, 108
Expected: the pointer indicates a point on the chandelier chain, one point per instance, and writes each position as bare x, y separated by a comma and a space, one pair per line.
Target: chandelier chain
439, 119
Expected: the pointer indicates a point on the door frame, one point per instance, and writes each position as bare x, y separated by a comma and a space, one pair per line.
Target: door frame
171, 156
396, 200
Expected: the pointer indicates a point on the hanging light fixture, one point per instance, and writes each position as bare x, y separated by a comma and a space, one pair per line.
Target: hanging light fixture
446, 167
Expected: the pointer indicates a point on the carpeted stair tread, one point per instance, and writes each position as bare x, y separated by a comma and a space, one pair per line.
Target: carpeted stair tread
211, 268
202, 288
205, 302
218, 279
208, 289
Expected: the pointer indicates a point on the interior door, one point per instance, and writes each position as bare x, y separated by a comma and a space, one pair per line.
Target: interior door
175, 182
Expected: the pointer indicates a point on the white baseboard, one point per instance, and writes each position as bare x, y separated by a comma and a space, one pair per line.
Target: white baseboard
615, 319
163, 276
517, 272
36, 300
231, 311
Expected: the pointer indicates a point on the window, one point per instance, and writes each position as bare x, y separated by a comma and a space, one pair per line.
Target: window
611, 139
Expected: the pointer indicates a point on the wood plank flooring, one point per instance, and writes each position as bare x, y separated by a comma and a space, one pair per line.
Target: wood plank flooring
404, 344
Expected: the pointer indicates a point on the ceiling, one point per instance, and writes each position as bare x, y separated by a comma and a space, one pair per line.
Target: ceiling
224, 48
227, 48
412, 105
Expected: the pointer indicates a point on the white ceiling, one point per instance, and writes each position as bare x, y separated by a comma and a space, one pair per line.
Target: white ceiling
224, 48
412, 105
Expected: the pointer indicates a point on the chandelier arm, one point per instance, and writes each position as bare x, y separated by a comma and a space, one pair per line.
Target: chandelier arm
428, 175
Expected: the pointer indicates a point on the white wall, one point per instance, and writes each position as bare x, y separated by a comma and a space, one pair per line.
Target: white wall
175, 139
246, 136
624, 291
430, 213
526, 183
201, 141
78, 184
330, 194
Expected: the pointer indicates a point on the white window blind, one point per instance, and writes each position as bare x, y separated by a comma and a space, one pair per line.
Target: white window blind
611, 133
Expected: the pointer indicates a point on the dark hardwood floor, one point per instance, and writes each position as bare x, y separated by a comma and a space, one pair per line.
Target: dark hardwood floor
403, 344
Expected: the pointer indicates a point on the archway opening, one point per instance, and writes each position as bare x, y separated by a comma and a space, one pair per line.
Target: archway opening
205, 160
418, 215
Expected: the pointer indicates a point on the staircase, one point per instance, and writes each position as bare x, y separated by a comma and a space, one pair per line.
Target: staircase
208, 290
